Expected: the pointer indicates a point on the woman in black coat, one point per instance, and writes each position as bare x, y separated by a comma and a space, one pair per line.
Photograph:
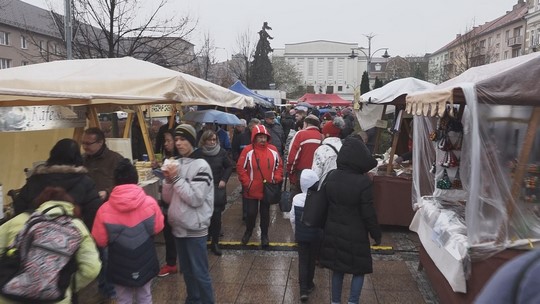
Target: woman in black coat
351, 216
64, 169
221, 165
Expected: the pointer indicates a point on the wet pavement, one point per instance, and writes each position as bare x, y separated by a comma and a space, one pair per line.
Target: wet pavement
249, 274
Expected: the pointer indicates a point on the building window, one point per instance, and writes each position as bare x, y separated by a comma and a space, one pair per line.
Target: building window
41, 49
5, 63
55, 49
330, 68
340, 88
23, 43
310, 67
24, 63
4, 38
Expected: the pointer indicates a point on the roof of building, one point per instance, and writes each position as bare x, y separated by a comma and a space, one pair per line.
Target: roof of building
22, 15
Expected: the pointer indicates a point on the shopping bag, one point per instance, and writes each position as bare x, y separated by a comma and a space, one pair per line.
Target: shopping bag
272, 193
285, 203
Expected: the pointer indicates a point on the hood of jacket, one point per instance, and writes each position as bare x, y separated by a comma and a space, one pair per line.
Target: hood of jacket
355, 156
67, 206
64, 176
127, 197
44, 169
259, 129
308, 178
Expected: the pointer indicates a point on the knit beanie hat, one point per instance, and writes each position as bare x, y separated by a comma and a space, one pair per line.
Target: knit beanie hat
188, 132
333, 128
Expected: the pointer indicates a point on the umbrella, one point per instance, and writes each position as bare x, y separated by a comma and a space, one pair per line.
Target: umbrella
212, 116
305, 104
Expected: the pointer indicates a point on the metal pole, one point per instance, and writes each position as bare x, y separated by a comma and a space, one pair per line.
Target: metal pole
67, 28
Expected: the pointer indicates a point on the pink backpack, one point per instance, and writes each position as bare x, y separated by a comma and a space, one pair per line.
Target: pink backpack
46, 247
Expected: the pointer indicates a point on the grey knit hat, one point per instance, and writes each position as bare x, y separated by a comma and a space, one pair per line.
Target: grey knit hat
188, 132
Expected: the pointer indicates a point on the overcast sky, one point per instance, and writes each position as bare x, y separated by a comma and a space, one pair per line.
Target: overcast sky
411, 27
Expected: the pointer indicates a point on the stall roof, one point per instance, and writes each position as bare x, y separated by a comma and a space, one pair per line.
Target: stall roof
124, 81
393, 92
325, 100
259, 99
511, 82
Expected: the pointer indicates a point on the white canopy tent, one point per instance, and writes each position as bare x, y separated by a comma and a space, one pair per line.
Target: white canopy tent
372, 111
94, 82
123, 81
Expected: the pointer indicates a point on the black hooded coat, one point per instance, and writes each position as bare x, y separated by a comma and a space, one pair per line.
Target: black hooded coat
351, 215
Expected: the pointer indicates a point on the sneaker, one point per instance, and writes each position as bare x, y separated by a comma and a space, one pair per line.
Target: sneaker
304, 297
167, 270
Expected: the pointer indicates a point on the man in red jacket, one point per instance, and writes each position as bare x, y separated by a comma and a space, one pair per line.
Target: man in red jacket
258, 162
302, 149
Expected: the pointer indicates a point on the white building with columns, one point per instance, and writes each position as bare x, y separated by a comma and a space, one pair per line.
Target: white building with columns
325, 66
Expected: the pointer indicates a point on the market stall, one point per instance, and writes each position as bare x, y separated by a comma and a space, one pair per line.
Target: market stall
393, 207
476, 138
81, 86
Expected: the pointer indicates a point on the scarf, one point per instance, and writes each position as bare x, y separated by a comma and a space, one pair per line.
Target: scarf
211, 151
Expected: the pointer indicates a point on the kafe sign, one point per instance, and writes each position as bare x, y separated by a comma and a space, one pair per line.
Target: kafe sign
34, 118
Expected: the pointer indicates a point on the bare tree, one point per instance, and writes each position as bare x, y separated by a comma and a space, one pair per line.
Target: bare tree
242, 56
116, 28
286, 76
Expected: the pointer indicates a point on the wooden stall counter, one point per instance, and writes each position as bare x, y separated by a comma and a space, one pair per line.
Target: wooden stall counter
392, 200
481, 271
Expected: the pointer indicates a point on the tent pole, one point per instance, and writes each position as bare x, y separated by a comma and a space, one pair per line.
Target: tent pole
395, 138
146, 135
378, 135
93, 117
172, 118
521, 166
127, 126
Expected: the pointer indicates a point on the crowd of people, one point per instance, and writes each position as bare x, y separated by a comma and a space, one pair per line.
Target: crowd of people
122, 219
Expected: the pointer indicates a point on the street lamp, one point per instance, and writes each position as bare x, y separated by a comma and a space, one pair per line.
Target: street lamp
369, 55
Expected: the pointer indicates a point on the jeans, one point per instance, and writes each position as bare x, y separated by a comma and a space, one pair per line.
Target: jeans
307, 255
125, 294
253, 206
106, 288
356, 287
215, 225
193, 258
170, 246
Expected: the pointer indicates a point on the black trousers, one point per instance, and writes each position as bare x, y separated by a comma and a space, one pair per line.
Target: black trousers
170, 246
307, 256
215, 224
253, 206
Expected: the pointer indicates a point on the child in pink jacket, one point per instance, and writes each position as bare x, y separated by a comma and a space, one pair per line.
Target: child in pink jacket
126, 225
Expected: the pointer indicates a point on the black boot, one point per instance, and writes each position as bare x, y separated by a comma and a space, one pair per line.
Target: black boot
214, 247
245, 238
264, 241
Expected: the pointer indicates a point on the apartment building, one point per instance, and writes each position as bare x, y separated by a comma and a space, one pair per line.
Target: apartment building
532, 37
499, 39
30, 34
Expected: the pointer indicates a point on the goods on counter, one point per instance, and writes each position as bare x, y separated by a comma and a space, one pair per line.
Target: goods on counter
144, 170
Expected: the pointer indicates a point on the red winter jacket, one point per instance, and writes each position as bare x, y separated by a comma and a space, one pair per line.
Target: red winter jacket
301, 151
271, 165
